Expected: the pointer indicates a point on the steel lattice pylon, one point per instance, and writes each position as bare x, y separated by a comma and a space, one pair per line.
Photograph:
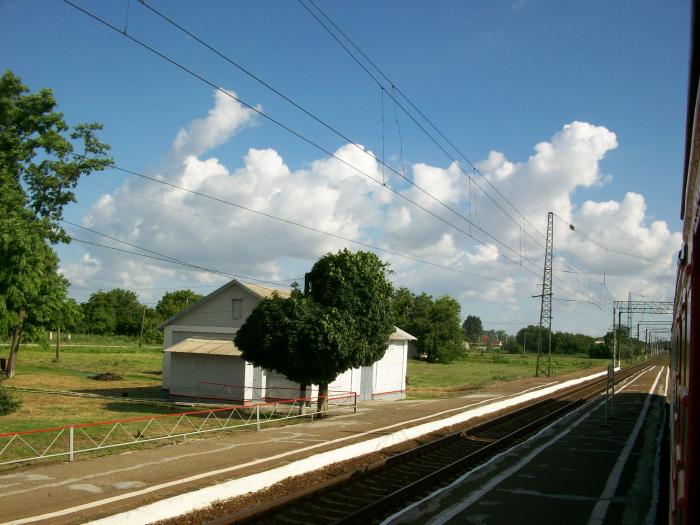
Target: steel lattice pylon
546, 305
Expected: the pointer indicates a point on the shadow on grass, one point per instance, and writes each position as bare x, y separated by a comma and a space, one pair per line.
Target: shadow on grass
136, 392
147, 409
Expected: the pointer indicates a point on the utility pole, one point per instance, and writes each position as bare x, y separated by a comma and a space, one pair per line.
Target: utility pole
629, 324
546, 304
619, 338
143, 319
646, 343
524, 340
614, 332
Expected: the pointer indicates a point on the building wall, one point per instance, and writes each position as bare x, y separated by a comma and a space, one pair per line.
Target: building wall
218, 310
187, 370
174, 334
390, 370
278, 386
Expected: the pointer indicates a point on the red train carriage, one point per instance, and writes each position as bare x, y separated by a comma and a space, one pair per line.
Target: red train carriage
685, 400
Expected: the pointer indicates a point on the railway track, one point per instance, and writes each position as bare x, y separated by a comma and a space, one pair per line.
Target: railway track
369, 495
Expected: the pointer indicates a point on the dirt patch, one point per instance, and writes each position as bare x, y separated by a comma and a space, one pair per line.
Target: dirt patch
107, 376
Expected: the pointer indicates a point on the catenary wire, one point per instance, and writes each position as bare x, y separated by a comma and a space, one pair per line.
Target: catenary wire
321, 148
310, 228
395, 88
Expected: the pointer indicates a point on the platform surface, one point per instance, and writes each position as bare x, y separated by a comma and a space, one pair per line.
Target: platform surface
89, 489
579, 471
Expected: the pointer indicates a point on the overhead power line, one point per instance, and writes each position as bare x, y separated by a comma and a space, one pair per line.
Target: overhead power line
166, 258
303, 226
603, 247
321, 148
395, 88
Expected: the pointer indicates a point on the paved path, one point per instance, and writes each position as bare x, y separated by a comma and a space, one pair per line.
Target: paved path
86, 490
577, 472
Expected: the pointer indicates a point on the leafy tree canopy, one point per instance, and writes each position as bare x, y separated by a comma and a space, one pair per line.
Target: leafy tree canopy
114, 312
472, 328
435, 323
38, 172
173, 302
341, 321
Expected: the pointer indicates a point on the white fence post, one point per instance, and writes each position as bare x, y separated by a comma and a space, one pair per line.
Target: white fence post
70, 444
257, 417
354, 406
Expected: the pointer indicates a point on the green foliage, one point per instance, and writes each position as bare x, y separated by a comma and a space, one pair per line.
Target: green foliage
38, 173
562, 342
568, 343
600, 351
8, 401
356, 285
512, 346
173, 302
472, 328
342, 321
435, 323
117, 311
444, 342
527, 337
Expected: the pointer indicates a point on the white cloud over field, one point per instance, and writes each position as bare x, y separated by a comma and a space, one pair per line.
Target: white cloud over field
331, 196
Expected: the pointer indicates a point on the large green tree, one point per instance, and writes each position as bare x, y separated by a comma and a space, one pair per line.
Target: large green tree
38, 171
444, 341
435, 323
472, 328
117, 311
173, 302
342, 320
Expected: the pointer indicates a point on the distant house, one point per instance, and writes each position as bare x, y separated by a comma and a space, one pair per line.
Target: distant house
201, 360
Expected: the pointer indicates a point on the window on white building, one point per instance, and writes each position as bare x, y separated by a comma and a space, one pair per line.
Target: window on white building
236, 305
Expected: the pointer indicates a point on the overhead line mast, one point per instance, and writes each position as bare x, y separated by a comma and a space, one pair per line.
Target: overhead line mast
546, 304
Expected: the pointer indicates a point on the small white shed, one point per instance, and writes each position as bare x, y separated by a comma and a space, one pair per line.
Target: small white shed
214, 369
200, 359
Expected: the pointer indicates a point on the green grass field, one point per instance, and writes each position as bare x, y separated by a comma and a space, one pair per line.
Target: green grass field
475, 371
141, 370
45, 407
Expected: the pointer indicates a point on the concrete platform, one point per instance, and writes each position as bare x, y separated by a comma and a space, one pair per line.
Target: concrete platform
140, 486
577, 471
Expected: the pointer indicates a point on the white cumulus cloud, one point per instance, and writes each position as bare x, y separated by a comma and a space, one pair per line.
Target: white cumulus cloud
330, 195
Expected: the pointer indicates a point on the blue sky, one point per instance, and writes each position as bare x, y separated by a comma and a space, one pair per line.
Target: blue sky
495, 76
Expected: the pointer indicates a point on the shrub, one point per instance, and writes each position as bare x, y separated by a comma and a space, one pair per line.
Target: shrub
600, 351
8, 401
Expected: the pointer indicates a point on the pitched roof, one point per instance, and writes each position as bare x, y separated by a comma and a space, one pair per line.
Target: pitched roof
205, 347
259, 291
400, 335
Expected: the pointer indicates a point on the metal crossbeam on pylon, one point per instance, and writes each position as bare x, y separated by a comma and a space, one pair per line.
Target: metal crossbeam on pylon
546, 304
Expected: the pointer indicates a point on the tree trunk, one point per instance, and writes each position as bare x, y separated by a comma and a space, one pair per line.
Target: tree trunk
322, 399
302, 399
58, 343
14, 345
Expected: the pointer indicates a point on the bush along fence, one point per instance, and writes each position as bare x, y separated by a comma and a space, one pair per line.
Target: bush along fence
71, 440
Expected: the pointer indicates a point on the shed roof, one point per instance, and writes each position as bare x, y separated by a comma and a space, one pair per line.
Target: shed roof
400, 335
205, 347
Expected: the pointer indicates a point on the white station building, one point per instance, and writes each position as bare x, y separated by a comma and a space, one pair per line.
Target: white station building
201, 361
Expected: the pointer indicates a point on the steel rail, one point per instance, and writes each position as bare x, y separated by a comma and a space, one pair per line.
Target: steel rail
366, 513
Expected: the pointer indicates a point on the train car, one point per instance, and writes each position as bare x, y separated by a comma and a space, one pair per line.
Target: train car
684, 395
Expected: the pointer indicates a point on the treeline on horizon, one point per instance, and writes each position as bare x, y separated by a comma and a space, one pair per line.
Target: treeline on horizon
435, 322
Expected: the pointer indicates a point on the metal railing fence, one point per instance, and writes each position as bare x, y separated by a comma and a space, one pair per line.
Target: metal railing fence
70, 440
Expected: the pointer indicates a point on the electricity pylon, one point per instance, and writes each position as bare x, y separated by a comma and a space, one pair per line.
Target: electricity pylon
546, 305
